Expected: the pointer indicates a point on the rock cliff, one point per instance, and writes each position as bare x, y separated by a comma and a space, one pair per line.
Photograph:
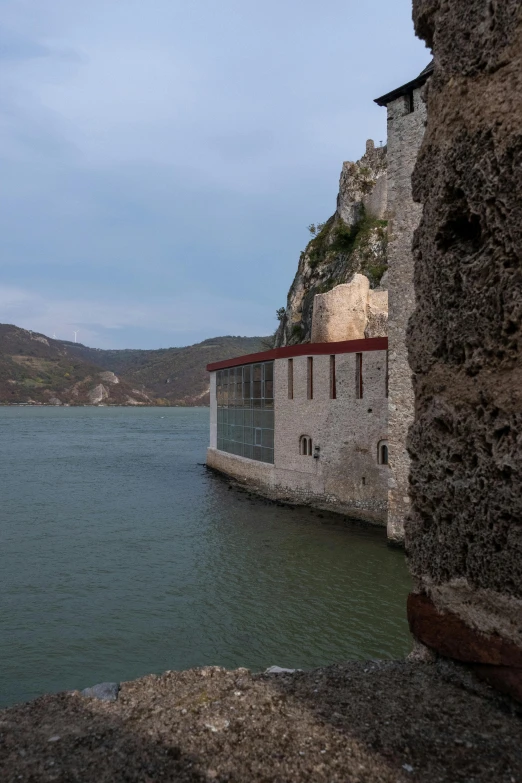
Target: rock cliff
464, 533
353, 240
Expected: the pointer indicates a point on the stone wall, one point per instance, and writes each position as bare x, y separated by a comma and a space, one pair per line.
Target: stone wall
363, 186
350, 311
347, 476
464, 536
405, 131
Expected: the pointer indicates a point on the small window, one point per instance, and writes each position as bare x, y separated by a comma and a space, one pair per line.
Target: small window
409, 103
358, 376
258, 433
290, 379
382, 452
305, 446
333, 383
310, 378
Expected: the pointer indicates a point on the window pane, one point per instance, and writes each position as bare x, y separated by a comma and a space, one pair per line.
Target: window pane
268, 438
245, 416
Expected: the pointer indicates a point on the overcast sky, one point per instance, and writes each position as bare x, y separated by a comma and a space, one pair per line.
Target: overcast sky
161, 159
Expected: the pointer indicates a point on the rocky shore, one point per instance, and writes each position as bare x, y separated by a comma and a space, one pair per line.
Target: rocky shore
378, 721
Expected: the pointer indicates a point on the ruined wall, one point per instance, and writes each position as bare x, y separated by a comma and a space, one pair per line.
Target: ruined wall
363, 186
350, 311
347, 477
340, 314
405, 132
464, 537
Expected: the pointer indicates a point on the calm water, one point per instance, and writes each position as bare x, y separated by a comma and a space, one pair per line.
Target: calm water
121, 555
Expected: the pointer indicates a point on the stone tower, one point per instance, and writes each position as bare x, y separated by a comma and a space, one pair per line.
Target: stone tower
406, 121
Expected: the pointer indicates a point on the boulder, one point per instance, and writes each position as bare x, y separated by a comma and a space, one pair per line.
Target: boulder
104, 691
98, 394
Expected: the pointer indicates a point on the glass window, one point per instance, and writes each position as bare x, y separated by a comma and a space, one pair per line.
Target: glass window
245, 417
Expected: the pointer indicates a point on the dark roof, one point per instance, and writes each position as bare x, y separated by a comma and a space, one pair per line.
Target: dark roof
423, 77
305, 349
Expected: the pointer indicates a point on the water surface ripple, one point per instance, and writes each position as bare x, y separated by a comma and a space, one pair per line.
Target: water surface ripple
122, 555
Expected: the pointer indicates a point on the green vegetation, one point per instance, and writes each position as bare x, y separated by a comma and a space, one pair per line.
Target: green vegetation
375, 273
39, 369
319, 247
316, 229
337, 238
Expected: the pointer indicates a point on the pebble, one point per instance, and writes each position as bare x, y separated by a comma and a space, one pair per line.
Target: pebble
105, 691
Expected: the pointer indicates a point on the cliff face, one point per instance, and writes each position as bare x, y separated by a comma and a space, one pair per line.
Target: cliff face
353, 240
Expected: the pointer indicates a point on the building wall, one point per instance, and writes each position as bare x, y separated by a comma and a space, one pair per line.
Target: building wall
405, 132
346, 476
464, 535
213, 412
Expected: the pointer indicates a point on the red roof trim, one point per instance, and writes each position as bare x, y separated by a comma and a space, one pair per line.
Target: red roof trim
306, 349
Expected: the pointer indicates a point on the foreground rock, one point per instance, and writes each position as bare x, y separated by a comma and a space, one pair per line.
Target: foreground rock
376, 721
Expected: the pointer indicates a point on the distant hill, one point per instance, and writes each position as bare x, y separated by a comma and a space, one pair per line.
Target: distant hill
37, 369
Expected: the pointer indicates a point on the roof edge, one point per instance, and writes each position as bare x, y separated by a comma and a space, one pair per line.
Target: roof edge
304, 349
421, 79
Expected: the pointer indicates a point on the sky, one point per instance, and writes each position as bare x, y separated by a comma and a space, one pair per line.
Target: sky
161, 160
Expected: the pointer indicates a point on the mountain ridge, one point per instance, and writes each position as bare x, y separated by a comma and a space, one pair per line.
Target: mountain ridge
36, 369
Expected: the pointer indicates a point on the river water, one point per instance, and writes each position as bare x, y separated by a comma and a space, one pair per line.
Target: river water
122, 555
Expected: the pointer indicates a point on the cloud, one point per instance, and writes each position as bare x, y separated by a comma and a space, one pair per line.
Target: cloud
160, 162
174, 320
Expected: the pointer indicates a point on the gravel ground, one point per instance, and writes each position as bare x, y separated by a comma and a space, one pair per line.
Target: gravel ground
373, 721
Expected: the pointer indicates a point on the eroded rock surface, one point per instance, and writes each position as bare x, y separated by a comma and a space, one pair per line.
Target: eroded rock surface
98, 394
464, 537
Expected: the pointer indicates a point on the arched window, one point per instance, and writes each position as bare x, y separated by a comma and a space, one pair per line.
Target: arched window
305, 446
382, 452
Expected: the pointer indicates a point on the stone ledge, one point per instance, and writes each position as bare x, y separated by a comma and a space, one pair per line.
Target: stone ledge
493, 659
366, 721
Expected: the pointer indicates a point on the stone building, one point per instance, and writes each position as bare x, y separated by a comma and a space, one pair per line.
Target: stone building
337, 299
306, 423
406, 121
